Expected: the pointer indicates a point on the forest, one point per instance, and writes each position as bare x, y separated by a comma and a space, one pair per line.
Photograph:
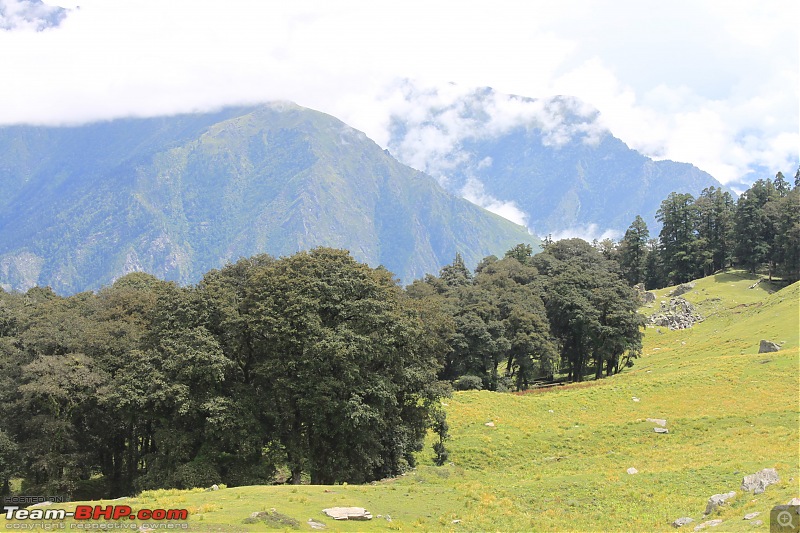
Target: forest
699, 236
316, 368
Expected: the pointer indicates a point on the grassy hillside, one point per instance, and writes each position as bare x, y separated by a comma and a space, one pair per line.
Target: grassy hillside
557, 459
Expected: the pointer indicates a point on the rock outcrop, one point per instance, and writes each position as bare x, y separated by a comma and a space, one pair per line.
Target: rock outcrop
759, 481
768, 346
680, 522
678, 314
718, 500
683, 288
348, 513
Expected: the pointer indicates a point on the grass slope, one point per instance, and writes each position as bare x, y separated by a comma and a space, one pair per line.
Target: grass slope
557, 459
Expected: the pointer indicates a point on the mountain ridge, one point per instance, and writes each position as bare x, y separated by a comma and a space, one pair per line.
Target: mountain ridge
549, 162
200, 190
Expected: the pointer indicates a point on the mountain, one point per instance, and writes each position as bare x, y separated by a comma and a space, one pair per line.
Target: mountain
177, 196
548, 163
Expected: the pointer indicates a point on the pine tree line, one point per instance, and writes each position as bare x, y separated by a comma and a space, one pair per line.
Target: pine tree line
699, 236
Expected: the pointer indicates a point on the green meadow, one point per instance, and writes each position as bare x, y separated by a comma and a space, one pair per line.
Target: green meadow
556, 459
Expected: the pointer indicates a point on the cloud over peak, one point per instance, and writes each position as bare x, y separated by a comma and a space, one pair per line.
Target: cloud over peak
31, 15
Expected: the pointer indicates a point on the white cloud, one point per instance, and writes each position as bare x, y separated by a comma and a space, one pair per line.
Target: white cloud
711, 83
588, 233
29, 15
474, 192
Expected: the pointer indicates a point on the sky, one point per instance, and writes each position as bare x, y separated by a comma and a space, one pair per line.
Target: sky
713, 83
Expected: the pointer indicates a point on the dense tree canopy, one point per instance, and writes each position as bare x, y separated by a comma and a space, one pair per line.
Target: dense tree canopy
313, 364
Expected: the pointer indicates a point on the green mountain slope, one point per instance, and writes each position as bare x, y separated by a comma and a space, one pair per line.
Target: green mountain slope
557, 459
177, 196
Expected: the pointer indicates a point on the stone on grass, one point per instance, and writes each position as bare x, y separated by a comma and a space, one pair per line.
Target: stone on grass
710, 523
750, 516
490, 424
632, 471
794, 501
313, 524
759, 481
682, 289
660, 421
661, 430
635, 399
348, 513
768, 346
680, 522
717, 500
756, 523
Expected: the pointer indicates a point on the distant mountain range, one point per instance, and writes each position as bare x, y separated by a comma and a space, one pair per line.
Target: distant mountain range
177, 196
549, 163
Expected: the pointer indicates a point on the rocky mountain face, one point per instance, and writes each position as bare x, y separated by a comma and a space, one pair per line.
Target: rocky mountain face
548, 163
177, 196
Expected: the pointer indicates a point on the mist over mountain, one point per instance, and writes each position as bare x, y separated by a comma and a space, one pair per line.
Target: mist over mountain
547, 163
177, 196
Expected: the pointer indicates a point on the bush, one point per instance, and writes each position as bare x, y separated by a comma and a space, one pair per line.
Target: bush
468, 383
195, 474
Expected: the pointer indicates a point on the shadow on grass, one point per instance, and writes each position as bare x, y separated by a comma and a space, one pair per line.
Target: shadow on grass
734, 276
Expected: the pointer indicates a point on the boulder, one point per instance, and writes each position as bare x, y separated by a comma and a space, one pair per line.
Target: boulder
680, 522
348, 513
718, 500
661, 430
648, 297
660, 421
768, 346
794, 501
759, 481
683, 288
750, 516
632, 471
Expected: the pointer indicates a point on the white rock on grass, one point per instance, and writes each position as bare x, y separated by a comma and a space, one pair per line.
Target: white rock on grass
348, 513
718, 500
632, 471
759, 481
750, 516
680, 522
313, 524
710, 523
660, 421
